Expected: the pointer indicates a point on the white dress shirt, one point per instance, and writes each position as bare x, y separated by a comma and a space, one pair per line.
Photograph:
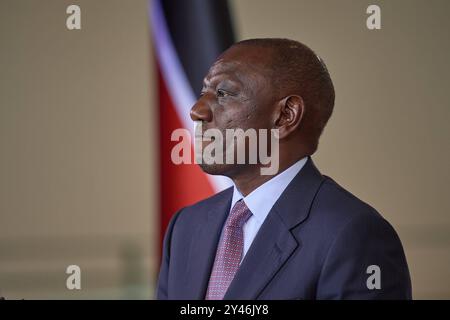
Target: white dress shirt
261, 200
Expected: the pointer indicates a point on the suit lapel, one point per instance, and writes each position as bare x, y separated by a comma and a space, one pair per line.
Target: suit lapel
274, 242
204, 245
270, 249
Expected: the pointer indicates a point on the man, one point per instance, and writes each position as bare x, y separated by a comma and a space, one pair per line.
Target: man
293, 235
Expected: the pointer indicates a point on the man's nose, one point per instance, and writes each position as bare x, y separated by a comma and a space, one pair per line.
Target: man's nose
201, 111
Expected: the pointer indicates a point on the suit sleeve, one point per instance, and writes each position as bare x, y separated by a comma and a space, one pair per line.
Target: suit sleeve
163, 278
366, 261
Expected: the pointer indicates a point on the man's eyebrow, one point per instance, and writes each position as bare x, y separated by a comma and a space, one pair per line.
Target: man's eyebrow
218, 79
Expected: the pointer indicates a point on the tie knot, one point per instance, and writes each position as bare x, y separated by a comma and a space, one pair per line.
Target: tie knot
239, 214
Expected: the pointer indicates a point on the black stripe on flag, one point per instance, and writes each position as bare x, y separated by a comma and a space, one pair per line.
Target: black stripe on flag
200, 31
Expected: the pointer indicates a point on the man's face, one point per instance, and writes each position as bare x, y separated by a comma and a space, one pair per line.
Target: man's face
236, 93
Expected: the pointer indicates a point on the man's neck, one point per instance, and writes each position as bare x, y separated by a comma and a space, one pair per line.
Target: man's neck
249, 180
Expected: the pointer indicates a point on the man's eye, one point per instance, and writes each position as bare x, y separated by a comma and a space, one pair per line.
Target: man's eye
222, 93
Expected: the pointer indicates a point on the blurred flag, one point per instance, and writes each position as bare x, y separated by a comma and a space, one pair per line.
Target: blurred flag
188, 35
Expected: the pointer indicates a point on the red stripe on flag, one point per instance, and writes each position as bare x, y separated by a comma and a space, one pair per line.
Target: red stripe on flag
180, 185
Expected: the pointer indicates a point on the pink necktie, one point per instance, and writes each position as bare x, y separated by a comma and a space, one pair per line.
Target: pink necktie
229, 252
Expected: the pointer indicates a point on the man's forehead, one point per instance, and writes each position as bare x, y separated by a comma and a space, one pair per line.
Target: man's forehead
221, 69
236, 67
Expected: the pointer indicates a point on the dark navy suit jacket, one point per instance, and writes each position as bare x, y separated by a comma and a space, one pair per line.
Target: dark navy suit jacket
316, 243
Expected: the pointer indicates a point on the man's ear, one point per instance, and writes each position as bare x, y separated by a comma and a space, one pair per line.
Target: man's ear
289, 116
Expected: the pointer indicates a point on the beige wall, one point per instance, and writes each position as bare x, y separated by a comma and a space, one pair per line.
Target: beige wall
77, 162
77, 145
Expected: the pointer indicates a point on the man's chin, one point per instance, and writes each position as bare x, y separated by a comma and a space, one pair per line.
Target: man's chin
215, 169
227, 170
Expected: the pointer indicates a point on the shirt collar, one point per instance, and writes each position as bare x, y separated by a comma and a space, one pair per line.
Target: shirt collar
261, 200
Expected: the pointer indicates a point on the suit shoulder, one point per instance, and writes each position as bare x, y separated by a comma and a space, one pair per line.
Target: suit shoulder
357, 237
336, 207
339, 214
